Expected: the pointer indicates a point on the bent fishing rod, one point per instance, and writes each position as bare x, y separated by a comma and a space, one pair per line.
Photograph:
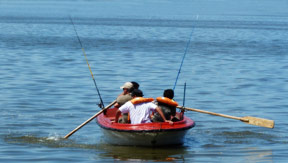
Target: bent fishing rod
101, 101
186, 49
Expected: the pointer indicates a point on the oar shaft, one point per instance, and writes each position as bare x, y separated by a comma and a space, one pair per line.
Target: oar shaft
212, 113
88, 120
248, 119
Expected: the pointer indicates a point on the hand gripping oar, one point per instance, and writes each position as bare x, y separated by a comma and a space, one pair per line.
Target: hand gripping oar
250, 120
88, 120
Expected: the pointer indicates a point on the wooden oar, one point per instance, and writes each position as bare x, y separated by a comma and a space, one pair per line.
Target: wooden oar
250, 120
88, 120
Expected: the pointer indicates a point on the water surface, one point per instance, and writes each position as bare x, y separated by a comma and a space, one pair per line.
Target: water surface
236, 64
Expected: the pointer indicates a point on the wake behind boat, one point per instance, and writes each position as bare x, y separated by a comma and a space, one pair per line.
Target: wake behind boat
145, 134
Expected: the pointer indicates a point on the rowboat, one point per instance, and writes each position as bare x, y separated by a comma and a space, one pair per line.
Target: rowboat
146, 134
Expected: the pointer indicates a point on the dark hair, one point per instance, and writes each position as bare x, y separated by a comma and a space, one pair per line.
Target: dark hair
135, 85
137, 93
131, 89
169, 93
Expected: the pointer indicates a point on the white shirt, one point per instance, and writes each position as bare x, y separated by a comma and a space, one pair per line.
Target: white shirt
139, 113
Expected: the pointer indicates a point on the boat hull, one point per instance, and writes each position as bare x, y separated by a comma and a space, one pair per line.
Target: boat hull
147, 134
145, 138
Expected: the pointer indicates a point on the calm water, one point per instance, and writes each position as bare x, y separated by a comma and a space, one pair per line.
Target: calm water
237, 64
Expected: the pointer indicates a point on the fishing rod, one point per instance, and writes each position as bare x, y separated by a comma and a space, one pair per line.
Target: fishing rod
187, 46
101, 101
184, 96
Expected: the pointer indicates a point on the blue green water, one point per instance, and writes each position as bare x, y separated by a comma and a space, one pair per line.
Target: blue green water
236, 64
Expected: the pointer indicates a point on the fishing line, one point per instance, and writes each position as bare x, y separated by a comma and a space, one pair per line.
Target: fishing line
187, 46
101, 101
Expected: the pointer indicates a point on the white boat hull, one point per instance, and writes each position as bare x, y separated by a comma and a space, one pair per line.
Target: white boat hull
149, 138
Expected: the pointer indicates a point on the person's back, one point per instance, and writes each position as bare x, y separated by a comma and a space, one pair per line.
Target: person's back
167, 105
125, 96
139, 113
139, 109
167, 110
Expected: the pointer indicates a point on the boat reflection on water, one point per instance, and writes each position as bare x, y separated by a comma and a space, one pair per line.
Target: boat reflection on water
130, 153
179, 153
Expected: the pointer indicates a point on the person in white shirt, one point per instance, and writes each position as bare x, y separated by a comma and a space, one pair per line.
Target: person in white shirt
139, 111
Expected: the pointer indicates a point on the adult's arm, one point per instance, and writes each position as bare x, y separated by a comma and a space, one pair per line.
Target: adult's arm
118, 113
117, 105
158, 109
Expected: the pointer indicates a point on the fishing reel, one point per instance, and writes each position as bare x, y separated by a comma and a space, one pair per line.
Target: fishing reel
100, 105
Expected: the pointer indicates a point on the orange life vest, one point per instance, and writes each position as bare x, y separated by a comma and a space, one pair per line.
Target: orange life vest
139, 100
167, 101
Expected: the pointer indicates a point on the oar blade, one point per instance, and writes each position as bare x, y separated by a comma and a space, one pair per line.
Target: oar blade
259, 121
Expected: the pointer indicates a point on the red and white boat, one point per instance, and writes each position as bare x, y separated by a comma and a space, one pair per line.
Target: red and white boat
147, 134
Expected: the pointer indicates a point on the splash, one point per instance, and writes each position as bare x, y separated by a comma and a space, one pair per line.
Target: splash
55, 137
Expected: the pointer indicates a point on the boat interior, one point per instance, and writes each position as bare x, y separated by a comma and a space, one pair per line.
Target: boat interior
110, 113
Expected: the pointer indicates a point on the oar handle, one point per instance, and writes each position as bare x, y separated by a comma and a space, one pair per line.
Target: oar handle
88, 120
